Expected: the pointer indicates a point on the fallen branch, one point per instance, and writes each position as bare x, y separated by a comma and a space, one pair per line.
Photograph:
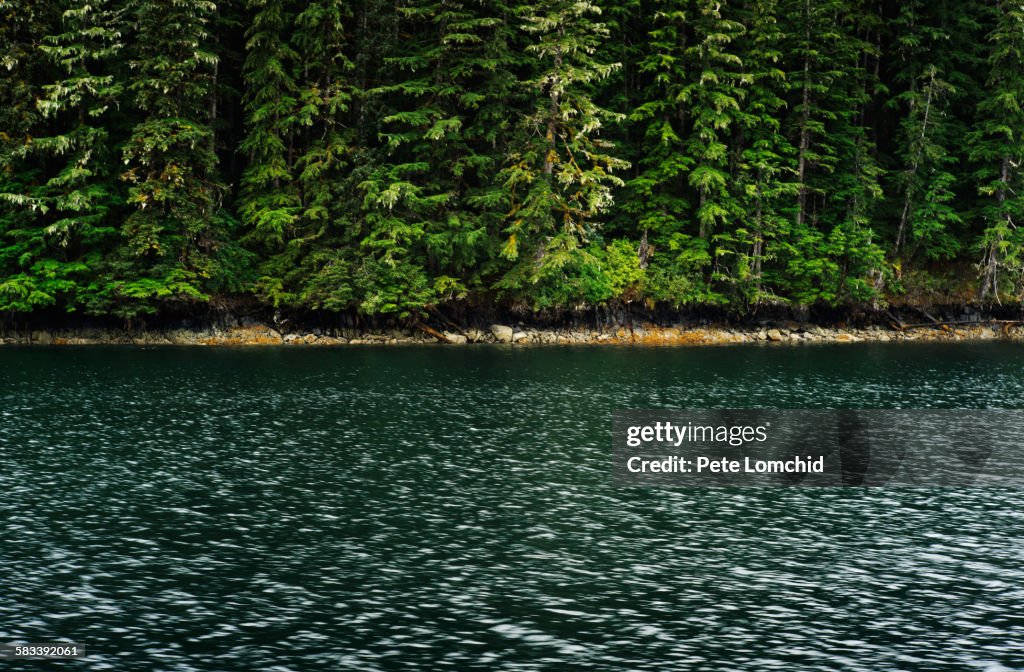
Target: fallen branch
444, 318
432, 332
897, 323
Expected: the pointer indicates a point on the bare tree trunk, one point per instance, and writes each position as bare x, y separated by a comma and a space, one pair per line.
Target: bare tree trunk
908, 196
990, 264
805, 133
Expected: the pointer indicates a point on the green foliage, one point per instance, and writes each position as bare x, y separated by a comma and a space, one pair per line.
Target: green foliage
560, 171
997, 146
383, 158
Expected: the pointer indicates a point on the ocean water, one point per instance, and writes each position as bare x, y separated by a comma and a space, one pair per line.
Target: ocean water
433, 508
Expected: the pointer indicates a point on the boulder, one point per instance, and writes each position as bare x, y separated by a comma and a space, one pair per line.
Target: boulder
775, 335
520, 337
456, 339
42, 337
502, 333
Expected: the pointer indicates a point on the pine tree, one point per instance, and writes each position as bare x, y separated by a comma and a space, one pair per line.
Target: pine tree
997, 145
715, 94
766, 173
176, 239
270, 198
833, 253
927, 217
430, 204
297, 188
560, 171
66, 214
657, 197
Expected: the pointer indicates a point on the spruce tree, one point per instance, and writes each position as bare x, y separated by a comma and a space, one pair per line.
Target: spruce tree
833, 252
67, 212
176, 242
560, 171
997, 146
658, 197
765, 175
925, 183
434, 197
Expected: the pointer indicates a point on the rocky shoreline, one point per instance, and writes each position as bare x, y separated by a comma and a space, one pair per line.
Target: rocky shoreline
256, 334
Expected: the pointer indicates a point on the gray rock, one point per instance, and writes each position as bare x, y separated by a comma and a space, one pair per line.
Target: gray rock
502, 333
456, 339
775, 335
42, 337
520, 337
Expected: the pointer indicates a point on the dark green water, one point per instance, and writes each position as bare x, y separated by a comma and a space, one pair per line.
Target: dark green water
450, 509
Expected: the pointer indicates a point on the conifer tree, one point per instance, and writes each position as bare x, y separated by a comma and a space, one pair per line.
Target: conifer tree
297, 189
658, 196
67, 213
560, 171
765, 175
176, 244
925, 182
833, 249
714, 94
270, 199
997, 145
434, 198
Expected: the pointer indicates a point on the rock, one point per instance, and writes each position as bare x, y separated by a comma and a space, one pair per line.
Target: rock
502, 333
309, 338
520, 337
476, 336
456, 339
181, 337
42, 337
292, 338
847, 338
775, 335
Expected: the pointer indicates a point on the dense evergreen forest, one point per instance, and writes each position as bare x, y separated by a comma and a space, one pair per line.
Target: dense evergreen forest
384, 157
